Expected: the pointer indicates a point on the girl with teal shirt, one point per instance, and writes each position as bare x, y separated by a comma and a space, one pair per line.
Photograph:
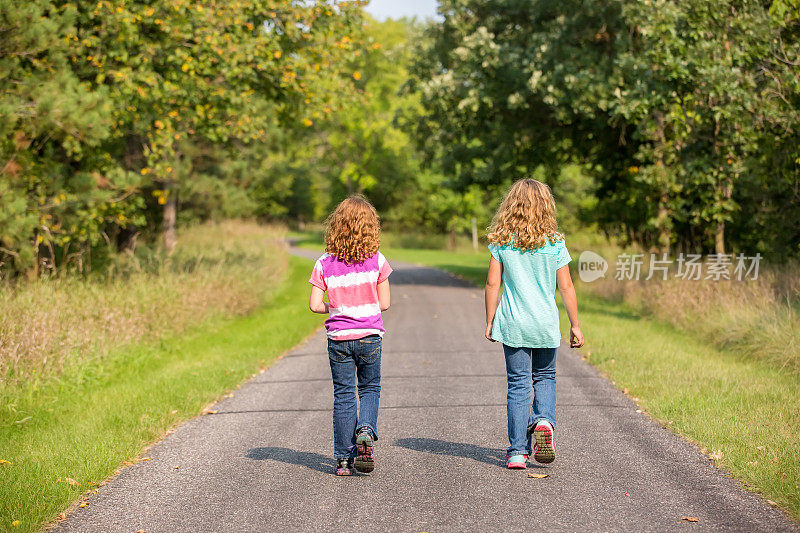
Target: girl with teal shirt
529, 259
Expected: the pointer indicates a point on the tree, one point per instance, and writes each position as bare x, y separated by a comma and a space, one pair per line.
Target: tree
110, 108
208, 71
666, 104
57, 191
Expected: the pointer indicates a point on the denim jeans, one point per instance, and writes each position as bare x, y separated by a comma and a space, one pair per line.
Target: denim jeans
360, 358
526, 367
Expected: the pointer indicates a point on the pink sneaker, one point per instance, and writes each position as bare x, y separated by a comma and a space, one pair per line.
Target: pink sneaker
544, 450
517, 462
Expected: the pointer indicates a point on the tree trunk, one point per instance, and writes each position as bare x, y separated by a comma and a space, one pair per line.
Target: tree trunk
664, 234
474, 234
663, 216
453, 237
719, 240
170, 214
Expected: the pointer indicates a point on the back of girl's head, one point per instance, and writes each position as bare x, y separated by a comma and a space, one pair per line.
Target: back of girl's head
526, 217
353, 230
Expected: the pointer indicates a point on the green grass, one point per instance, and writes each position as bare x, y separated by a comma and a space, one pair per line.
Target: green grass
467, 264
728, 405
742, 411
85, 424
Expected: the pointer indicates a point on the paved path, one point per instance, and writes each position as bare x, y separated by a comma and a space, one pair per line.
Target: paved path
263, 463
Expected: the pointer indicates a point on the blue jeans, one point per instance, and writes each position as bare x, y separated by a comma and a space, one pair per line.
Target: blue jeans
350, 359
526, 366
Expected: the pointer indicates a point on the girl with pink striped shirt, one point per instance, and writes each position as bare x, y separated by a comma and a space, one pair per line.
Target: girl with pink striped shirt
356, 277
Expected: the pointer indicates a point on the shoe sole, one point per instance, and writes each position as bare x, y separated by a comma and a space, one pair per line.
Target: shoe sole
365, 461
344, 472
545, 452
517, 466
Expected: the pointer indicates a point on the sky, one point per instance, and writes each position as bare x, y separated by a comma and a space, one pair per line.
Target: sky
381, 9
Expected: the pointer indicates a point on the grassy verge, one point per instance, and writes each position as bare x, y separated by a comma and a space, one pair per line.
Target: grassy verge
744, 412
72, 433
754, 318
50, 325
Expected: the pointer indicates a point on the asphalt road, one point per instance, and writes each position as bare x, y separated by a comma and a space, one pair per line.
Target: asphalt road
264, 461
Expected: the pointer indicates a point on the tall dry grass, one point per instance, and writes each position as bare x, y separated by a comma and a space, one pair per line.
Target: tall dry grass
753, 318
217, 269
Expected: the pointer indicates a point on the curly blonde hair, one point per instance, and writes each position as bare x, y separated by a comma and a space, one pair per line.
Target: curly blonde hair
353, 230
526, 218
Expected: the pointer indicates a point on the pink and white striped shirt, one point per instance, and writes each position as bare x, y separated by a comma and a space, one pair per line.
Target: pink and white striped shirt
352, 295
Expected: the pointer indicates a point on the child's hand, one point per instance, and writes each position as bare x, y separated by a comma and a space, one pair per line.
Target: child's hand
488, 333
575, 337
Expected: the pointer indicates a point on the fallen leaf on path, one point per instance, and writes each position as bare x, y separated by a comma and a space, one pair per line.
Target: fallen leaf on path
210, 411
690, 519
83, 504
141, 531
539, 476
146, 458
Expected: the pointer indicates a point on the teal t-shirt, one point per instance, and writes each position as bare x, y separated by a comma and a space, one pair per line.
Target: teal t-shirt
527, 316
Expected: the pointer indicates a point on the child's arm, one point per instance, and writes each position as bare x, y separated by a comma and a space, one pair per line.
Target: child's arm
315, 302
384, 296
493, 281
571, 304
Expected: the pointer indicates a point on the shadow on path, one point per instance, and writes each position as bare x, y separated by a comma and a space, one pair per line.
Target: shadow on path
490, 456
314, 461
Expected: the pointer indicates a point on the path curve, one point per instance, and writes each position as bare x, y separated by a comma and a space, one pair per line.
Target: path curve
263, 462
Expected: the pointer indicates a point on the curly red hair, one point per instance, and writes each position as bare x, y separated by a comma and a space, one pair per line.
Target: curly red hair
353, 230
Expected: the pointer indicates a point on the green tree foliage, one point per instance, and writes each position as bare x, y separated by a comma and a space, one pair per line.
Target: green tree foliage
674, 108
356, 147
58, 189
111, 108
